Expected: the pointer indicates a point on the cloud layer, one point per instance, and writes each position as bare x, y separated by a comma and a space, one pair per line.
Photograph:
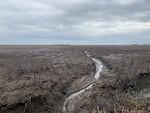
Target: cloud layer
74, 21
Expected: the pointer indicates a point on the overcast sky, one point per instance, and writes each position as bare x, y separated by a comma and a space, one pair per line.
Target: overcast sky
74, 21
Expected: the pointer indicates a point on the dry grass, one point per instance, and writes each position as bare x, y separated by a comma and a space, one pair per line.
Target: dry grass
35, 79
118, 91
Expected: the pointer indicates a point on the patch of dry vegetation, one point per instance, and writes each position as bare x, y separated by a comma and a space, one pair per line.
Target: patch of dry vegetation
122, 89
37, 79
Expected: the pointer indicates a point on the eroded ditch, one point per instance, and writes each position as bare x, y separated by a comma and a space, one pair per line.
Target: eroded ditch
70, 102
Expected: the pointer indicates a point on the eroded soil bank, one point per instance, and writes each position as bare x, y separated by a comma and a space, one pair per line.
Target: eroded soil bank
73, 99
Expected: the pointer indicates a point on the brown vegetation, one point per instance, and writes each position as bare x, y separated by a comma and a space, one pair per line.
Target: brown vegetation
37, 79
123, 88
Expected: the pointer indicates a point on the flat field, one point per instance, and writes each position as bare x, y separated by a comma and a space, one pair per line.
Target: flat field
38, 79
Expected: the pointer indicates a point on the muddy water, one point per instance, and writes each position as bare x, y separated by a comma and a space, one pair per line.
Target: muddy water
69, 103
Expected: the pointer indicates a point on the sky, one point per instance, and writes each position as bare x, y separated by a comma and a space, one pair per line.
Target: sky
88, 22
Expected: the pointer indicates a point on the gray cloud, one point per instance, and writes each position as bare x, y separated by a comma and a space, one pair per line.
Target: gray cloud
74, 19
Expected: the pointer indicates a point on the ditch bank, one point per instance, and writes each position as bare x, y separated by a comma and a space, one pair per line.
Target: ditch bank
71, 101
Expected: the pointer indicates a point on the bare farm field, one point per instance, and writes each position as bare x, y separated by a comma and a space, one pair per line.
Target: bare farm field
75, 79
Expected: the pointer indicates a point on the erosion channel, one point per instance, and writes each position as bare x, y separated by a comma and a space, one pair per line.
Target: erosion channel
69, 104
